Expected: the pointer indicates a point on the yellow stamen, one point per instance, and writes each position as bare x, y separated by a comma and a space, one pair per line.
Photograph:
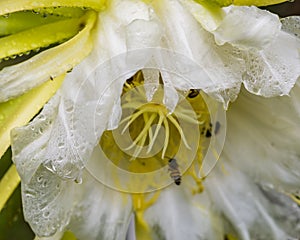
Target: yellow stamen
149, 135
140, 204
295, 197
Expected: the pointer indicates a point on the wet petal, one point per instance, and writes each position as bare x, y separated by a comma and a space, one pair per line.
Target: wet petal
247, 27
100, 212
244, 205
266, 132
46, 202
291, 25
274, 70
185, 35
189, 220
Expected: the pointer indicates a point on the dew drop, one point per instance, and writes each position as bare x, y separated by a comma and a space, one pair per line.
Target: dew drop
40, 178
42, 117
61, 145
46, 214
70, 108
45, 183
78, 180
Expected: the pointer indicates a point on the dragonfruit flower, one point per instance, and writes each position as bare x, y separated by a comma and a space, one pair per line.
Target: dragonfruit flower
143, 86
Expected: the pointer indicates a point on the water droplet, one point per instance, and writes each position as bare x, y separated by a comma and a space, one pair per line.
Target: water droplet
46, 214
70, 108
61, 145
40, 178
42, 117
78, 180
45, 183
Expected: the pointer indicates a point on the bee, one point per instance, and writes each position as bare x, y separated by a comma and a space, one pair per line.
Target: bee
208, 131
174, 171
193, 93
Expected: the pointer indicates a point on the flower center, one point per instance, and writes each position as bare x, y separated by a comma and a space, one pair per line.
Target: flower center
153, 147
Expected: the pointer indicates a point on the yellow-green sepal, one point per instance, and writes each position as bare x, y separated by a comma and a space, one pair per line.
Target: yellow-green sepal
258, 3
68, 236
9, 6
225, 3
38, 37
21, 21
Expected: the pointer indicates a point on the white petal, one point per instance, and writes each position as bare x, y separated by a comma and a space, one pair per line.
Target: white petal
29, 142
47, 140
151, 82
274, 70
56, 236
47, 202
99, 212
291, 25
176, 217
183, 34
263, 139
243, 205
247, 27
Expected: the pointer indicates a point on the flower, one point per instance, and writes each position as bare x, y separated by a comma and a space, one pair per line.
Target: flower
172, 49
